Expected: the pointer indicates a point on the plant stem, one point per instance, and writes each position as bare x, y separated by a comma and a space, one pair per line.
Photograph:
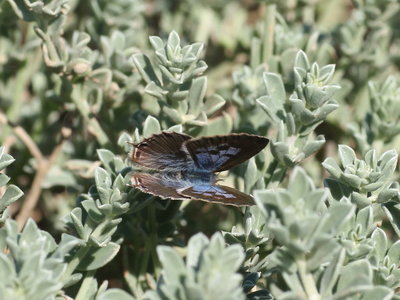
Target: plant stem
73, 264
269, 29
307, 280
86, 287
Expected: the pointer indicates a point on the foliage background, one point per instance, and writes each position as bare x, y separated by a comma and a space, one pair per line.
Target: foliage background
78, 79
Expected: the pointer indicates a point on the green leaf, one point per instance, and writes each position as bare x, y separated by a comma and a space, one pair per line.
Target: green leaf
331, 273
347, 155
107, 158
299, 183
364, 275
251, 174
115, 294
196, 95
196, 246
103, 179
151, 126
381, 242
96, 258
12, 194
332, 167
301, 61
275, 88
174, 40
4, 179
145, 68
5, 159
378, 292
156, 42
213, 103
170, 260
365, 220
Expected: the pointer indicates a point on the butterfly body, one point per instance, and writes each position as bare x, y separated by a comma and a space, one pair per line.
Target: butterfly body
182, 167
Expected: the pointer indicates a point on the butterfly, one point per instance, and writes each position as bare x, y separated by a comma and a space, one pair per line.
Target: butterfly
181, 167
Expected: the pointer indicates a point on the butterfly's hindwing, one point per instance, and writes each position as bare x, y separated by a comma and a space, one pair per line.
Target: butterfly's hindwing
158, 185
221, 153
217, 194
163, 152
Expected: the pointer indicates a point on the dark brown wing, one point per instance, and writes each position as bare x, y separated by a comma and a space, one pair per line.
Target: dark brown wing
217, 194
155, 184
163, 152
220, 153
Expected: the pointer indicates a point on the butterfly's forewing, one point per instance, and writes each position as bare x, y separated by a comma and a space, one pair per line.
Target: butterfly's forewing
220, 153
163, 152
217, 194
158, 185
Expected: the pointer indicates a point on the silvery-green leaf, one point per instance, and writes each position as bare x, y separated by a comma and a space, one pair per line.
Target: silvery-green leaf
347, 278
332, 167
174, 40
326, 73
12, 194
156, 42
364, 218
322, 254
173, 114
394, 252
347, 155
151, 126
195, 246
322, 112
331, 273
98, 257
114, 294
145, 68
371, 187
299, 183
106, 157
5, 159
371, 158
301, 61
389, 167
123, 141
387, 157
388, 195
275, 88
213, 103
350, 179
272, 108
92, 210
156, 91
360, 200
4, 179
280, 150
171, 261
251, 174
196, 95
378, 292
314, 146
102, 178
381, 242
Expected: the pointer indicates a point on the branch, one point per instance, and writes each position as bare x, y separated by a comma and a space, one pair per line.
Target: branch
43, 168
24, 137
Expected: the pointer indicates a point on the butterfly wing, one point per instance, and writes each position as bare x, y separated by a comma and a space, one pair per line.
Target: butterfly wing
166, 186
163, 152
217, 194
158, 185
220, 153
